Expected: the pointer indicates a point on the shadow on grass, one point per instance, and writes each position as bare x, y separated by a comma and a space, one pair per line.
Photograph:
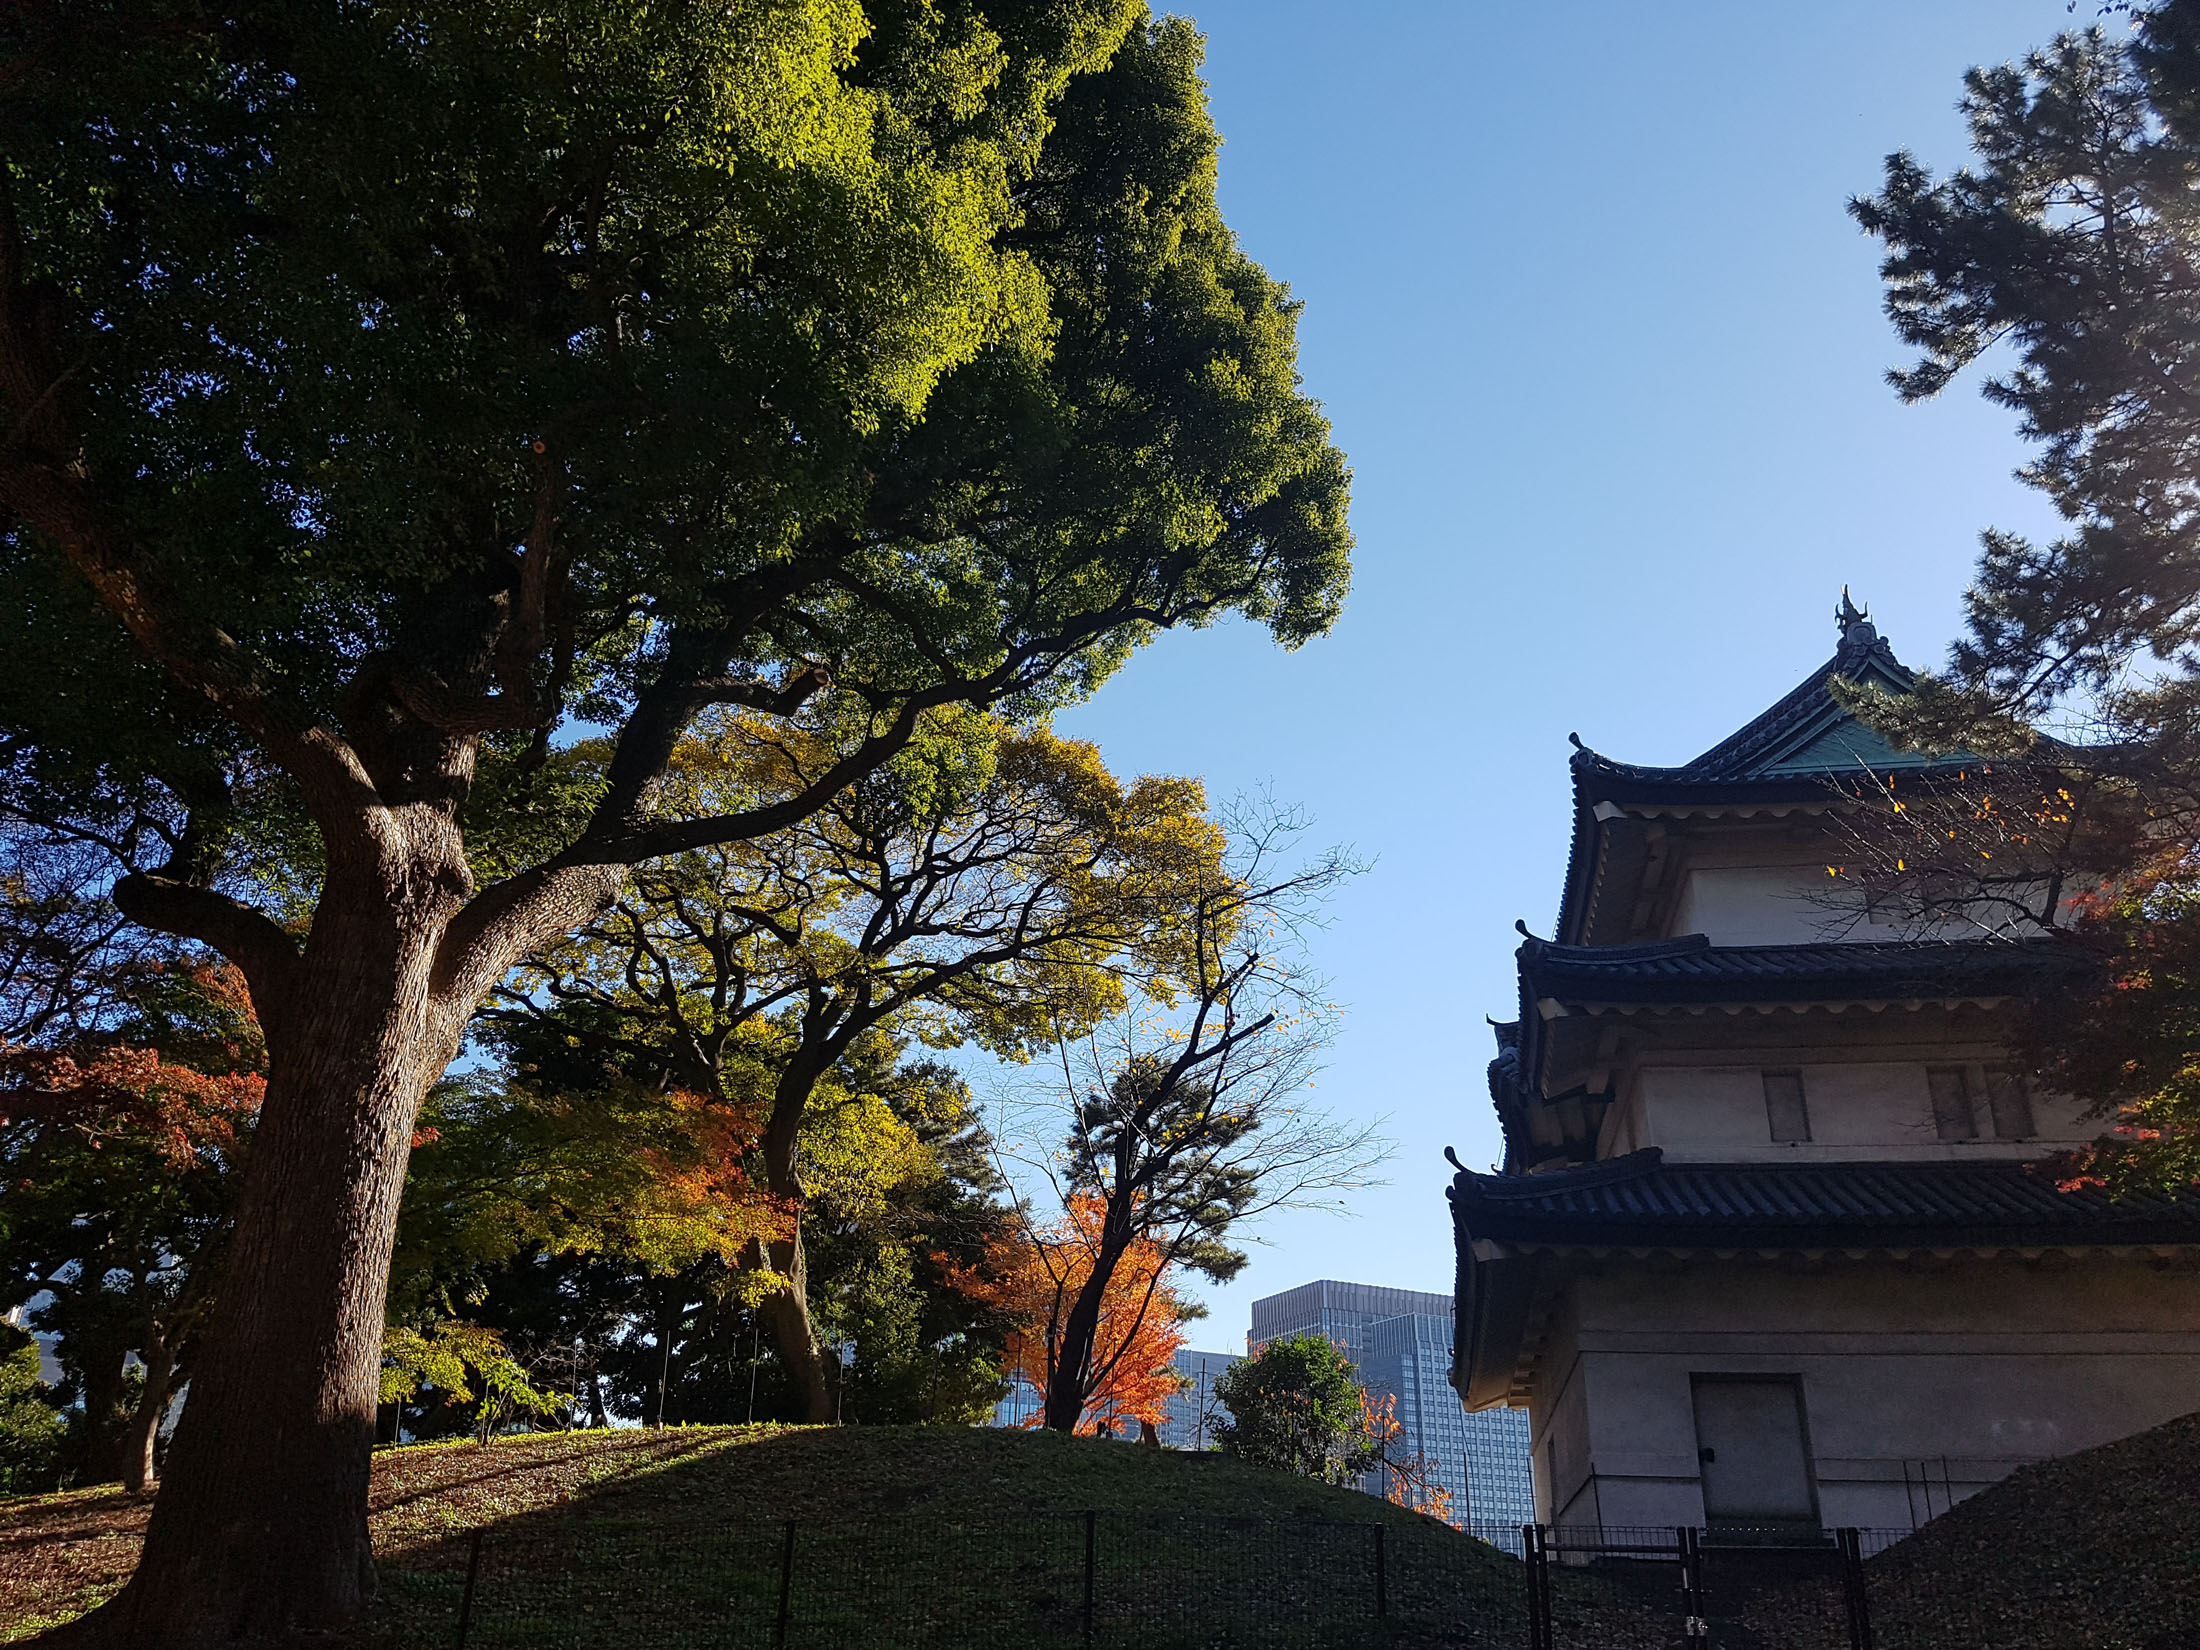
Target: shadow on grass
927, 1541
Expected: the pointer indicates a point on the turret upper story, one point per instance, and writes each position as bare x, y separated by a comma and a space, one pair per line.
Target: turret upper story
1711, 991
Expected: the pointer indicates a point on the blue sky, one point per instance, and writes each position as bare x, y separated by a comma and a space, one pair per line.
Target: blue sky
1606, 355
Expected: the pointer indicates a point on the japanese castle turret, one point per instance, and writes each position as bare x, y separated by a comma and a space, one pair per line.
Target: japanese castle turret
1767, 1251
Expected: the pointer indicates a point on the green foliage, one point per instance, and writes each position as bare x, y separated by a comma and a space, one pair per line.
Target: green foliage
577, 1217
33, 1430
2067, 247
465, 1366
2067, 244
884, 1245
504, 1169
903, 341
1191, 1182
1297, 1405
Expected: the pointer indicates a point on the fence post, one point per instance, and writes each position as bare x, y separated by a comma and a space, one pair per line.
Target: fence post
1540, 1636
1695, 1628
786, 1587
1382, 1578
1091, 1543
1852, 1589
466, 1603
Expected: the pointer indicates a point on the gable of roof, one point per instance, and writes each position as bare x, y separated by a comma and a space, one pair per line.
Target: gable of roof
1799, 753
1806, 733
1807, 730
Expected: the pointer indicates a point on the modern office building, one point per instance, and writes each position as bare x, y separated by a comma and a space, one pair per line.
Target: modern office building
1192, 1411
1482, 1460
1021, 1402
1401, 1342
1338, 1312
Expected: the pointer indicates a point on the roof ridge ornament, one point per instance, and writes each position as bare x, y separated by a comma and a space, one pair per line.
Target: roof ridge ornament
1858, 635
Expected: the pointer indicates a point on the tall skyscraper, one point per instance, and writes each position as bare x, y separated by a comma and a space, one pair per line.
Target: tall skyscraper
1339, 1312
1192, 1411
1401, 1342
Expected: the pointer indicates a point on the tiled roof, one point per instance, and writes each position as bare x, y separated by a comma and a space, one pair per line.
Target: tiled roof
1641, 1201
1805, 734
1693, 970
1802, 752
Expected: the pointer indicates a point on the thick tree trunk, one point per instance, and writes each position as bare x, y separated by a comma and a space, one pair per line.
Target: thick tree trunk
144, 1430
1069, 1385
99, 1371
787, 1311
261, 1526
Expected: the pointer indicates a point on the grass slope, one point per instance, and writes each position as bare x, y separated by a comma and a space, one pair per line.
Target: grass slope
931, 1536
2094, 1551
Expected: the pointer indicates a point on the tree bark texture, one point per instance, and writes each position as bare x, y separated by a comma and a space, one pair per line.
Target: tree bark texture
787, 1310
138, 1444
261, 1525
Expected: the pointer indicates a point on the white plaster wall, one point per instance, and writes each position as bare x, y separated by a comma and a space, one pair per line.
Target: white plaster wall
1699, 1113
1761, 905
1859, 1110
1959, 1369
1798, 904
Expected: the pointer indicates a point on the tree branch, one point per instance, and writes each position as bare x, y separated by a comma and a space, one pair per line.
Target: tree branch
251, 940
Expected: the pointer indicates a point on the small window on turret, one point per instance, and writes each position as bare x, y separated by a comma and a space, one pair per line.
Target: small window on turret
1953, 1115
1784, 1107
2011, 1105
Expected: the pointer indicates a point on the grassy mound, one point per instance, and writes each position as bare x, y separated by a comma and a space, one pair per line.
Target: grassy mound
929, 1536
2099, 1549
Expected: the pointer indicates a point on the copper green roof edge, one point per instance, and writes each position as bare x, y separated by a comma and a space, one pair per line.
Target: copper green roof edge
1767, 746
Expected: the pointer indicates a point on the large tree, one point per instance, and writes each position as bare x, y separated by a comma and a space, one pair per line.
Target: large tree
1185, 1116
386, 386
987, 885
2068, 256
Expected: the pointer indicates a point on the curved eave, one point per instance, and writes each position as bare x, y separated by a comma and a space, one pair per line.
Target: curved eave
1609, 796
1553, 1008
1725, 1241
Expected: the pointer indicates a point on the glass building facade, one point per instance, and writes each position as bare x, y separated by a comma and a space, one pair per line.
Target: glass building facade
1022, 1401
1192, 1411
1189, 1423
1401, 1342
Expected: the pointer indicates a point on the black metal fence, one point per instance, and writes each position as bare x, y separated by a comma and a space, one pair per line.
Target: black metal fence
1698, 1588
924, 1583
928, 1583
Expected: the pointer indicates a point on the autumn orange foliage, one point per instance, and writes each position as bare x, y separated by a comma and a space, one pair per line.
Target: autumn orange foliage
1033, 1278
182, 1112
1408, 1481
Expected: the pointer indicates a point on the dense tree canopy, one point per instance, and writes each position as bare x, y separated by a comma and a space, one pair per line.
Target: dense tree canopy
120, 1156
987, 885
2071, 248
1297, 1404
387, 386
